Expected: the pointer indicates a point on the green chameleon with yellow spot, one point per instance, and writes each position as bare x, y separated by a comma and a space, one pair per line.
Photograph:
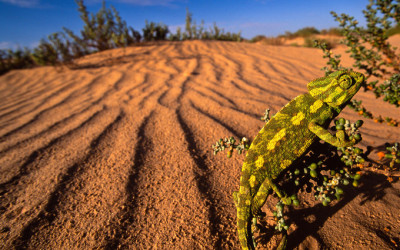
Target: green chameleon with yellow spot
285, 138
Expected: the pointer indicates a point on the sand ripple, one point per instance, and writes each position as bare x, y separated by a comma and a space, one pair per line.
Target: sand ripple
117, 153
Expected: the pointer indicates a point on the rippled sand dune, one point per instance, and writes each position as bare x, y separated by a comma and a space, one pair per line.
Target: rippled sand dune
117, 152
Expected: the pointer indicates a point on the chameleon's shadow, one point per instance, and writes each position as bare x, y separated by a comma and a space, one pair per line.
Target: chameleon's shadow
372, 188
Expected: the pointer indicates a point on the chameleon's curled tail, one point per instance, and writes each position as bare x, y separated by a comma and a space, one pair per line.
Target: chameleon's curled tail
246, 236
244, 218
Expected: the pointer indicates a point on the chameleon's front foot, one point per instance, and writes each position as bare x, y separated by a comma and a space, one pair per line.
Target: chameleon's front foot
342, 141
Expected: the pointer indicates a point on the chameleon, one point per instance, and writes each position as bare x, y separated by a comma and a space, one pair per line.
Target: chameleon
285, 138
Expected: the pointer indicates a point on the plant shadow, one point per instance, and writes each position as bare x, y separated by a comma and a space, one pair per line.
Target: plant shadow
372, 188
309, 220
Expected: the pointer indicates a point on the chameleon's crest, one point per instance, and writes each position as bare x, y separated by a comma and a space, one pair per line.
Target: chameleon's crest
343, 85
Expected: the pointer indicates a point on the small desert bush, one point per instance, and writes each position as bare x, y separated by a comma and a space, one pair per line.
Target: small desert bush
257, 38
15, 59
155, 31
197, 32
101, 31
332, 32
303, 32
372, 53
307, 31
272, 41
309, 42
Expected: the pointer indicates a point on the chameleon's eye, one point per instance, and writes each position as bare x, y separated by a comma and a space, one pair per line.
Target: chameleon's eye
345, 81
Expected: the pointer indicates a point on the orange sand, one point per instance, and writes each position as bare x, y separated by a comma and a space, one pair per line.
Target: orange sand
117, 153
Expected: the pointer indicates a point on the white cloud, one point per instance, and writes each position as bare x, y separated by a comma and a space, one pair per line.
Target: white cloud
23, 3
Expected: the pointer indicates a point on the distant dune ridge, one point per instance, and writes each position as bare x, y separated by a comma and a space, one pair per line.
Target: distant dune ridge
117, 153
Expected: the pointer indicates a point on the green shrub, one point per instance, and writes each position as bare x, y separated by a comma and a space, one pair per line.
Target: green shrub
193, 31
155, 31
331, 31
18, 59
306, 32
45, 54
310, 43
104, 30
372, 53
101, 31
257, 38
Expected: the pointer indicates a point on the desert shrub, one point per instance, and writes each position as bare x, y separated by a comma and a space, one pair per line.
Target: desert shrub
103, 30
45, 54
309, 42
372, 53
267, 40
177, 36
155, 31
257, 38
188, 25
193, 31
288, 35
307, 31
15, 59
272, 41
331, 31
303, 32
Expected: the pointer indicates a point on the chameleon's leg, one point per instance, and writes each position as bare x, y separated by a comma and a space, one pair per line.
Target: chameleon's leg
338, 141
262, 195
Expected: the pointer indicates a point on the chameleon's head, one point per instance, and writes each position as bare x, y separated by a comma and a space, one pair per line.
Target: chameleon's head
337, 88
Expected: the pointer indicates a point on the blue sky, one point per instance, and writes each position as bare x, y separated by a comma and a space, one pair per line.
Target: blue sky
25, 22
